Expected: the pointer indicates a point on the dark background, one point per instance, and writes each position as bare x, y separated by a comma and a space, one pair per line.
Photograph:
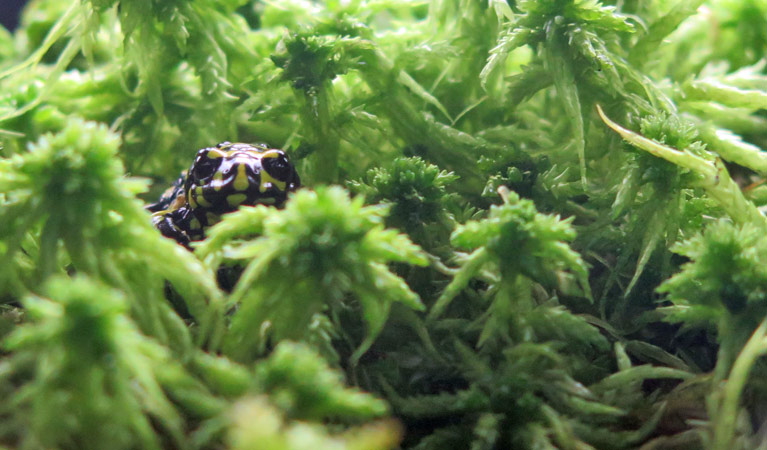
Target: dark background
9, 13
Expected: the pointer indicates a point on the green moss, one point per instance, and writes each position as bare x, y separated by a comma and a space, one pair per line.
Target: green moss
552, 220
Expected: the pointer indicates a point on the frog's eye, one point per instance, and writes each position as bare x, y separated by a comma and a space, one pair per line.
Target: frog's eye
278, 166
205, 167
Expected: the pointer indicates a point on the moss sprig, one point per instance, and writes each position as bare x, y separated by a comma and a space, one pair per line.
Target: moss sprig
320, 249
69, 191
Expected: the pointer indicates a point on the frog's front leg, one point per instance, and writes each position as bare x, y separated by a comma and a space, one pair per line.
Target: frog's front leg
179, 224
172, 198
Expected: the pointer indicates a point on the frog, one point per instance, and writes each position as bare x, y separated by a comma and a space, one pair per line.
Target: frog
219, 181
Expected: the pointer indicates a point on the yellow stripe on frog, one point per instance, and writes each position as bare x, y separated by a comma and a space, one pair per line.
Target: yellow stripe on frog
236, 199
241, 179
201, 198
217, 183
267, 179
216, 153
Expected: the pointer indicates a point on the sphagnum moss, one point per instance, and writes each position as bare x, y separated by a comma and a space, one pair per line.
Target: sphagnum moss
610, 297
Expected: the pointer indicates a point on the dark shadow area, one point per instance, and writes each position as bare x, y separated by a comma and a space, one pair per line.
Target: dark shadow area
9, 13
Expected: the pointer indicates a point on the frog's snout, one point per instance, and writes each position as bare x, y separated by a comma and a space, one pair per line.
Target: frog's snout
243, 174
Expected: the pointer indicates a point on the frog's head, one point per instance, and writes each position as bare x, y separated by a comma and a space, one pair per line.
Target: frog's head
229, 175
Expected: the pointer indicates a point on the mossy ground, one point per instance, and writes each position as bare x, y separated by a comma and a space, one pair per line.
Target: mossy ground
524, 224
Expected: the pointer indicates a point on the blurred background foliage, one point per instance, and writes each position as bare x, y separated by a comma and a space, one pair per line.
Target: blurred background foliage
524, 224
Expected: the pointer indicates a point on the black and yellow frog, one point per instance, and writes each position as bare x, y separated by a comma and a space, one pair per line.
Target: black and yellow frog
220, 180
